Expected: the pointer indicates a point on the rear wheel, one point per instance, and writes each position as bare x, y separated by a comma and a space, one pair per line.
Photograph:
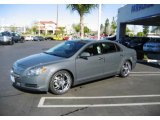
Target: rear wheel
60, 82
125, 69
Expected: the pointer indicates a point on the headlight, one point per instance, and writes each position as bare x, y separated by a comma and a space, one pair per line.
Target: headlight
36, 71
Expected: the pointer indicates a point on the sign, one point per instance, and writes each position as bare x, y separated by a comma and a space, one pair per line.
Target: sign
139, 7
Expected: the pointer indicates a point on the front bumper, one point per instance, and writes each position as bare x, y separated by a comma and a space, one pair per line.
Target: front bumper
33, 83
4, 42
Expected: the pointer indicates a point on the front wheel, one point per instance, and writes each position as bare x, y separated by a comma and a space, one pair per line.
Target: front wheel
11, 42
125, 69
60, 82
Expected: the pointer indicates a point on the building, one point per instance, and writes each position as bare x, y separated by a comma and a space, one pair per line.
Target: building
13, 28
137, 14
46, 27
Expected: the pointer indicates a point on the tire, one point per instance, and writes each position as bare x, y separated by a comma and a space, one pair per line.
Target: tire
60, 82
22, 40
125, 69
11, 42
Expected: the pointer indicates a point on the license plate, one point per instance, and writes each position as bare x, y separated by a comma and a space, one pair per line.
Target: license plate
12, 79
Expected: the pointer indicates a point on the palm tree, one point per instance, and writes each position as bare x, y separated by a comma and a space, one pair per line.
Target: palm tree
82, 9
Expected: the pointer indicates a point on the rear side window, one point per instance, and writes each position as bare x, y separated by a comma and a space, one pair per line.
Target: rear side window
110, 48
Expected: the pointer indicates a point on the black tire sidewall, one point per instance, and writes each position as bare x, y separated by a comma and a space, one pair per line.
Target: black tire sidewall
121, 71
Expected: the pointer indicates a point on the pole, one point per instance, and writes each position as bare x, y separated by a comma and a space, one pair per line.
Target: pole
39, 28
57, 15
99, 22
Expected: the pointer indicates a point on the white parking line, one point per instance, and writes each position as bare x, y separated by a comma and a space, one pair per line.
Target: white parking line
100, 105
42, 100
147, 72
144, 75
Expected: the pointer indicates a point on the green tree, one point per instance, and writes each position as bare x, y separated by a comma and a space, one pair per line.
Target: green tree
81, 9
13, 28
131, 35
106, 27
86, 29
62, 30
77, 28
145, 30
113, 25
140, 34
34, 29
127, 30
102, 28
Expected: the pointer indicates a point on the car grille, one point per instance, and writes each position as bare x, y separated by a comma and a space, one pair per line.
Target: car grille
31, 85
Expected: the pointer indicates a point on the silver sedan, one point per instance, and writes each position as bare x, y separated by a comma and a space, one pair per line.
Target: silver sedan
71, 63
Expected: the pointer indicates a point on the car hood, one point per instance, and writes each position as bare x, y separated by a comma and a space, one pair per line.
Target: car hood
37, 59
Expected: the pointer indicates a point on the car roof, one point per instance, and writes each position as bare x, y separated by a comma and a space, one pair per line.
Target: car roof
91, 41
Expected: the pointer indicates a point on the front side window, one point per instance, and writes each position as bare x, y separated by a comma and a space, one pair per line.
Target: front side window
94, 49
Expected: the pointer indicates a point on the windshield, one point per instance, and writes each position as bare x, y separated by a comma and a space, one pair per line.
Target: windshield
157, 40
65, 49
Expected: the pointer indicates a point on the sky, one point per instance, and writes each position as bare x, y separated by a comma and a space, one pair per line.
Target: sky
26, 14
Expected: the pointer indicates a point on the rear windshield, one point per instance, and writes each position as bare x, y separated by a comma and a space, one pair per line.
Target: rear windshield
5, 34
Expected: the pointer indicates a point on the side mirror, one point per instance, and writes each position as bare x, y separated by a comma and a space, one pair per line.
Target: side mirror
85, 55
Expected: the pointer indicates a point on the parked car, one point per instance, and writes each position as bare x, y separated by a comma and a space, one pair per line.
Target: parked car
152, 45
67, 38
124, 41
38, 38
48, 38
112, 38
57, 37
17, 38
28, 38
71, 63
134, 42
6, 38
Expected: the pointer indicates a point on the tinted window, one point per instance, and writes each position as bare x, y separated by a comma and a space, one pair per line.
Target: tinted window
94, 49
6, 34
108, 47
66, 49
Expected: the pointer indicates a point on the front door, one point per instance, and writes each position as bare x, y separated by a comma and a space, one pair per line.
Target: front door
92, 66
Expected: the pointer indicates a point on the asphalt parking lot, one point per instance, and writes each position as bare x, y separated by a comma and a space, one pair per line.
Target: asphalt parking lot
138, 94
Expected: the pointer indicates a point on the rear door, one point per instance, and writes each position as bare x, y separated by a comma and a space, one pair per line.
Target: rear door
113, 57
